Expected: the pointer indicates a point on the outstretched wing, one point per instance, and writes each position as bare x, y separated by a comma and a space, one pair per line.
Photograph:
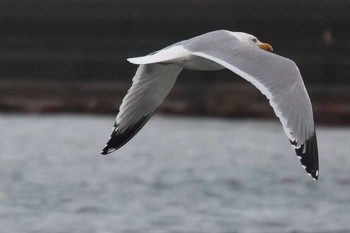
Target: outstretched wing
279, 79
151, 84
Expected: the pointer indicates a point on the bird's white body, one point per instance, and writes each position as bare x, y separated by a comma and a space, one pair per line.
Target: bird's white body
278, 78
199, 63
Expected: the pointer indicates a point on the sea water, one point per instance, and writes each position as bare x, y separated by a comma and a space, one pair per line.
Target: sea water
177, 175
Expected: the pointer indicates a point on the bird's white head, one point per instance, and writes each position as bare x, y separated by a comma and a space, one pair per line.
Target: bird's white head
252, 40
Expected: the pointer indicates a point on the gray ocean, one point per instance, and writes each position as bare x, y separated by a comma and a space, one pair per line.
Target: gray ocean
177, 175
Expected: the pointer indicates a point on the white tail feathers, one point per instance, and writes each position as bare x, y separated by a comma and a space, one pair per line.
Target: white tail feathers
139, 60
170, 54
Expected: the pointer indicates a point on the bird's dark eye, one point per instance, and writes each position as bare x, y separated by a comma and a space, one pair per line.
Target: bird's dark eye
255, 40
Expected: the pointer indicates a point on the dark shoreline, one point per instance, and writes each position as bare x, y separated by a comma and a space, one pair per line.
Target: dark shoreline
227, 100
70, 56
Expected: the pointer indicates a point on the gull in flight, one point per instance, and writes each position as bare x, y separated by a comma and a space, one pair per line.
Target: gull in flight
278, 78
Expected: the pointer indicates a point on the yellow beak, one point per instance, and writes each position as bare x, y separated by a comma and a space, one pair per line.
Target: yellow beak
266, 46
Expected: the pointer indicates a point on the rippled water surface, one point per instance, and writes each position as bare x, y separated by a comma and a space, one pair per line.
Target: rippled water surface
177, 175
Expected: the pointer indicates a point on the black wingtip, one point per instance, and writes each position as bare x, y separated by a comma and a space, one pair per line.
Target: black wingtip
308, 155
107, 150
120, 137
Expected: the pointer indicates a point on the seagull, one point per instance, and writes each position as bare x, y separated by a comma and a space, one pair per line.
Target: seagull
276, 77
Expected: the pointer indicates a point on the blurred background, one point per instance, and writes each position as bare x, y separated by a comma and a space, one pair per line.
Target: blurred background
70, 56
214, 158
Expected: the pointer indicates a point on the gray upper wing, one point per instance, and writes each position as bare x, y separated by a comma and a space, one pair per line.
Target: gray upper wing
278, 78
